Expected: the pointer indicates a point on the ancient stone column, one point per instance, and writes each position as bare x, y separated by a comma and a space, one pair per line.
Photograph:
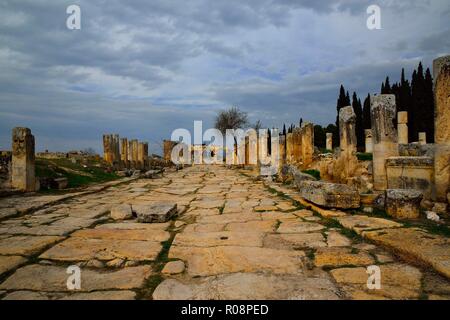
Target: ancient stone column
329, 144
124, 152
116, 149
289, 148
368, 137
383, 110
252, 147
402, 127
347, 133
108, 152
422, 138
135, 153
145, 155
130, 154
441, 72
22, 164
296, 145
282, 152
307, 144
168, 146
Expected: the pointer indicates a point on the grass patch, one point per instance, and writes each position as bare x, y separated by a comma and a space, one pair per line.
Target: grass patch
313, 172
363, 156
78, 174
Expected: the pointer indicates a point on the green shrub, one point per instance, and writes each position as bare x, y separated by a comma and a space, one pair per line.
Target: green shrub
362, 156
313, 172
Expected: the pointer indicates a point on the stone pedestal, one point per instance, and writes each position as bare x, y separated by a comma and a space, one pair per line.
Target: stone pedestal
23, 158
422, 138
384, 138
403, 204
402, 127
441, 70
368, 140
329, 143
307, 147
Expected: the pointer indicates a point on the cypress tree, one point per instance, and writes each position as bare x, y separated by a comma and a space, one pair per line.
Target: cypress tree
366, 113
429, 107
357, 109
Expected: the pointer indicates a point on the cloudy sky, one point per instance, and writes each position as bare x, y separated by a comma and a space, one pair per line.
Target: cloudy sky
143, 68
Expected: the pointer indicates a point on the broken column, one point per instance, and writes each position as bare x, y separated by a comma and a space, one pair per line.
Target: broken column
422, 138
441, 72
142, 158
347, 133
289, 148
402, 127
135, 153
124, 152
282, 151
108, 153
368, 141
168, 146
347, 162
307, 144
116, 149
383, 110
329, 143
403, 204
22, 164
296, 145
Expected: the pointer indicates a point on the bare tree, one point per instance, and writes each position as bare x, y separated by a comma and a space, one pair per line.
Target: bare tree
231, 119
258, 125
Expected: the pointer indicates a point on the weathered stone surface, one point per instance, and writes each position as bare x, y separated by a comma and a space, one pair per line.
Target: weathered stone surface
337, 257
330, 195
121, 212
134, 226
155, 213
228, 259
26, 245
417, 245
8, 263
229, 218
295, 226
174, 267
359, 223
7, 212
294, 240
249, 286
80, 249
403, 204
299, 177
51, 278
335, 239
257, 226
398, 281
123, 234
223, 238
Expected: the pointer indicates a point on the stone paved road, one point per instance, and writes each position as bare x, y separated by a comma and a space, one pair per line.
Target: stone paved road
234, 238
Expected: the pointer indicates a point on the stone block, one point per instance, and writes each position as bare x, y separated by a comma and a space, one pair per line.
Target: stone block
411, 173
23, 160
155, 213
403, 204
330, 195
